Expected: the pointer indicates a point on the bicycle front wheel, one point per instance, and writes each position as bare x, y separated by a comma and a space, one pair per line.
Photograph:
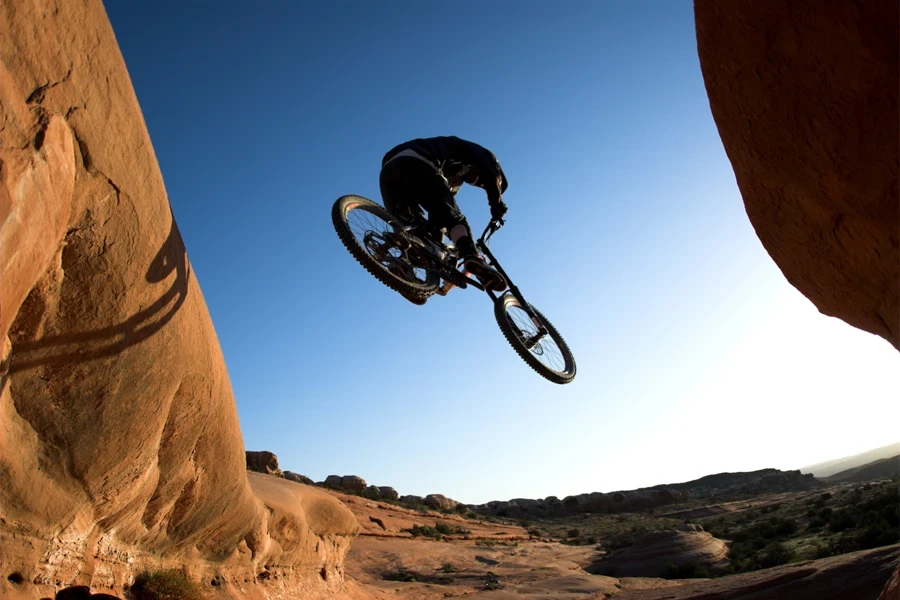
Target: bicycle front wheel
547, 354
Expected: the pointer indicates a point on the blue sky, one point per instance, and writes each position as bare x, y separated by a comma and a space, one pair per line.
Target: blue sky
626, 229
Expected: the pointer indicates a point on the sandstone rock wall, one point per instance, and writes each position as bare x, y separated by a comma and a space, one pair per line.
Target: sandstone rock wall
120, 440
805, 97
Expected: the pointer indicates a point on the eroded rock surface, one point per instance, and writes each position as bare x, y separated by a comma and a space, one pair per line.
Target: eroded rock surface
120, 440
805, 97
654, 552
263, 461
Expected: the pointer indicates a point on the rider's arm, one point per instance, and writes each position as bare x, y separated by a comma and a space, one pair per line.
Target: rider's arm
486, 171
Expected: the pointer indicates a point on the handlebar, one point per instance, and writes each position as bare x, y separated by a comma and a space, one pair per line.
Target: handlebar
491, 229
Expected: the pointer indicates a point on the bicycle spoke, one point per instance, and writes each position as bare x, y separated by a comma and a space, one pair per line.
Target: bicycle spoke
368, 226
547, 350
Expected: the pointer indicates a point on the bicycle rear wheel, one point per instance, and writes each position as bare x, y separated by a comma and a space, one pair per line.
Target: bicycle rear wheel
548, 355
377, 241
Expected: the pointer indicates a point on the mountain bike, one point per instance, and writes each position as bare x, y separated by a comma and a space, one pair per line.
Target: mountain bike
412, 258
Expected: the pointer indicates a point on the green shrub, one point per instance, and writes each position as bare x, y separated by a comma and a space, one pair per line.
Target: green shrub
620, 541
424, 531
774, 555
573, 533
169, 584
840, 521
690, 570
448, 568
400, 575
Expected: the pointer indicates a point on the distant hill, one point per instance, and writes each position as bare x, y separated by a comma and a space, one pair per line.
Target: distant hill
884, 467
831, 467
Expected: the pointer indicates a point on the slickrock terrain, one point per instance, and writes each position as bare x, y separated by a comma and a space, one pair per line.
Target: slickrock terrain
805, 97
501, 562
120, 441
653, 553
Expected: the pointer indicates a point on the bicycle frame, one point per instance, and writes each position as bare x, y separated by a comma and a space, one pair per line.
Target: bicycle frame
482, 245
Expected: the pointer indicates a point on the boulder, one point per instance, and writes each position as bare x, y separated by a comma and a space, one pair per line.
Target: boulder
388, 493
263, 462
333, 482
353, 484
290, 475
525, 503
412, 500
805, 98
440, 501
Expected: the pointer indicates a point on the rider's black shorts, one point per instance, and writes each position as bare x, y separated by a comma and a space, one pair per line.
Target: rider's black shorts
407, 183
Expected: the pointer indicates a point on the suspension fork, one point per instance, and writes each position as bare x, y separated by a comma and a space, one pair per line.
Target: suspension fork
542, 331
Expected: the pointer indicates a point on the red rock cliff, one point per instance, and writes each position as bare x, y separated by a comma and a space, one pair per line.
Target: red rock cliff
120, 439
805, 97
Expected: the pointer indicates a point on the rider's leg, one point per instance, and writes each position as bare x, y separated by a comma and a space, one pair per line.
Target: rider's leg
461, 236
398, 193
421, 184
399, 190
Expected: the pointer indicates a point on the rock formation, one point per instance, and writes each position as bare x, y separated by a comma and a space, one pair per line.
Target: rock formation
722, 486
440, 501
291, 476
891, 589
653, 553
263, 462
805, 97
120, 441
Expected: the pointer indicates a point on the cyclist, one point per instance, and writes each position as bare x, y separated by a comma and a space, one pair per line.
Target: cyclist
427, 173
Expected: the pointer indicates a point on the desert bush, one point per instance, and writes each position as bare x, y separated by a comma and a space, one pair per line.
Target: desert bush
840, 520
774, 555
620, 541
400, 575
573, 533
448, 567
168, 584
690, 570
424, 531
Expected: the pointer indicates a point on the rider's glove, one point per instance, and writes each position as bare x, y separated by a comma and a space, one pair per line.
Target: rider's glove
498, 209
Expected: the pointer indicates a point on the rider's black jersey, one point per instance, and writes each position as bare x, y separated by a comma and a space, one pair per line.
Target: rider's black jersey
458, 161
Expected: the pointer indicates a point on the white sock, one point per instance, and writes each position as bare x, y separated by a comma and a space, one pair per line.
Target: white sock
457, 232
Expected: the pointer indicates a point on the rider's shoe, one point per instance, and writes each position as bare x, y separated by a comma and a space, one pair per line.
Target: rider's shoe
489, 277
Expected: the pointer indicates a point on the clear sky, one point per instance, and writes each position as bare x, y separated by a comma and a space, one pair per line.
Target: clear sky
625, 228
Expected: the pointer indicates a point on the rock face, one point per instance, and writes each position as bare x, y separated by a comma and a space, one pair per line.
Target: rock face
722, 486
388, 493
891, 589
291, 476
440, 501
805, 97
263, 462
353, 484
653, 553
121, 447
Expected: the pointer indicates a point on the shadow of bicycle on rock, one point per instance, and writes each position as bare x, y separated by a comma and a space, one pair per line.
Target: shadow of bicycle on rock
65, 349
